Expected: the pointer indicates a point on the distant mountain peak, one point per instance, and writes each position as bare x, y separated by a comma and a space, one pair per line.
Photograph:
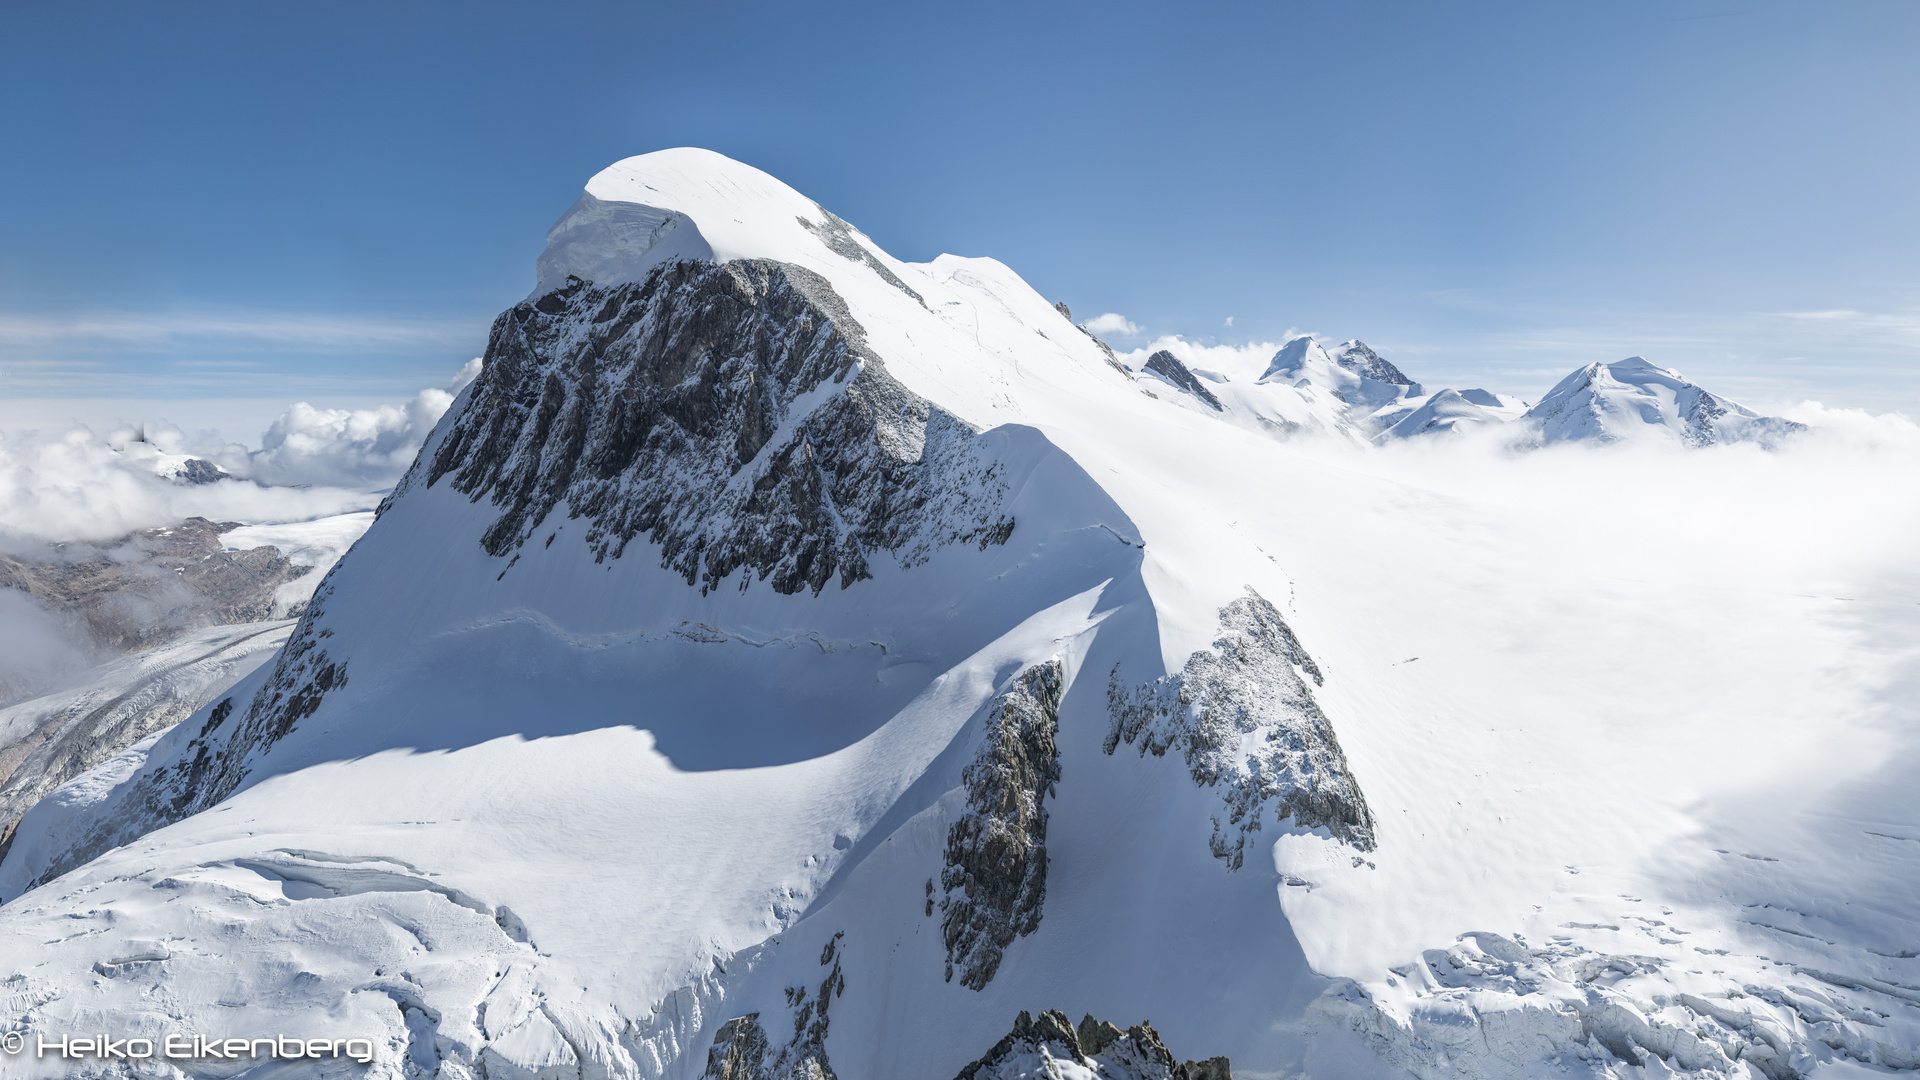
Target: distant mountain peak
1634, 399
1355, 356
1169, 367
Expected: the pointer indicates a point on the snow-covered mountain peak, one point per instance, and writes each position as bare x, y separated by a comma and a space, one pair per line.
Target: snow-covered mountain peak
1357, 375
1452, 410
1355, 356
1636, 399
689, 203
1298, 357
787, 661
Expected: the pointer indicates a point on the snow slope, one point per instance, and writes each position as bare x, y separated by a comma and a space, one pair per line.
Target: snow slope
48, 740
835, 656
1452, 410
318, 544
1634, 399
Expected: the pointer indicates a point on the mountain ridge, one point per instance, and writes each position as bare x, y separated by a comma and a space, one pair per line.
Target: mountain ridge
742, 666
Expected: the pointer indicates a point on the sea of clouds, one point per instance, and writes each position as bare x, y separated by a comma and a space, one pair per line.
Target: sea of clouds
73, 495
86, 486
1838, 501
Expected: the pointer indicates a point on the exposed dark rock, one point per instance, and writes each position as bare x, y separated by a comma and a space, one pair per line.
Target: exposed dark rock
149, 587
1094, 1035
671, 409
742, 1049
1112, 360
1065, 311
1248, 684
1702, 419
1168, 367
995, 879
199, 471
1134, 1054
1356, 357
840, 239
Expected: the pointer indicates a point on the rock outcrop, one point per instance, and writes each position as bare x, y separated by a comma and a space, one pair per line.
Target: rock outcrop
1052, 1046
1356, 357
1169, 367
742, 1049
1244, 720
995, 879
731, 415
150, 587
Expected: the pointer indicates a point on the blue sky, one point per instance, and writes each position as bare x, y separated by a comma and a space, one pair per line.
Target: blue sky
258, 202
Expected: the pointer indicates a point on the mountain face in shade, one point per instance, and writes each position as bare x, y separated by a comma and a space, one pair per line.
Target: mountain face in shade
785, 661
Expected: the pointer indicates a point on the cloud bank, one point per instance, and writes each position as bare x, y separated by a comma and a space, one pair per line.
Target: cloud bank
312, 463
347, 447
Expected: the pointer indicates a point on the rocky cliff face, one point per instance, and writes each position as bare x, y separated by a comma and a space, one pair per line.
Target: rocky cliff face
1356, 357
1169, 367
995, 879
743, 1049
731, 415
150, 587
1247, 724
1096, 1050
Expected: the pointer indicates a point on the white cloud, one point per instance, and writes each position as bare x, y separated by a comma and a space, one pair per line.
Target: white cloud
312, 463
347, 447
1229, 322
38, 648
1239, 362
1113, 323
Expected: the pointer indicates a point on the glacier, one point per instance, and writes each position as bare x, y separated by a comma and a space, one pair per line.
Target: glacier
784, 660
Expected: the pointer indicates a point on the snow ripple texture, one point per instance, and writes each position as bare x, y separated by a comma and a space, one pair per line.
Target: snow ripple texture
1245, 721
995, 879
699, 408
1492, 1006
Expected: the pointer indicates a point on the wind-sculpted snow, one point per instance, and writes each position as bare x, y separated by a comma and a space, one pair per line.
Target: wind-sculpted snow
547, 786
730, 414
1246, 723
995, 880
